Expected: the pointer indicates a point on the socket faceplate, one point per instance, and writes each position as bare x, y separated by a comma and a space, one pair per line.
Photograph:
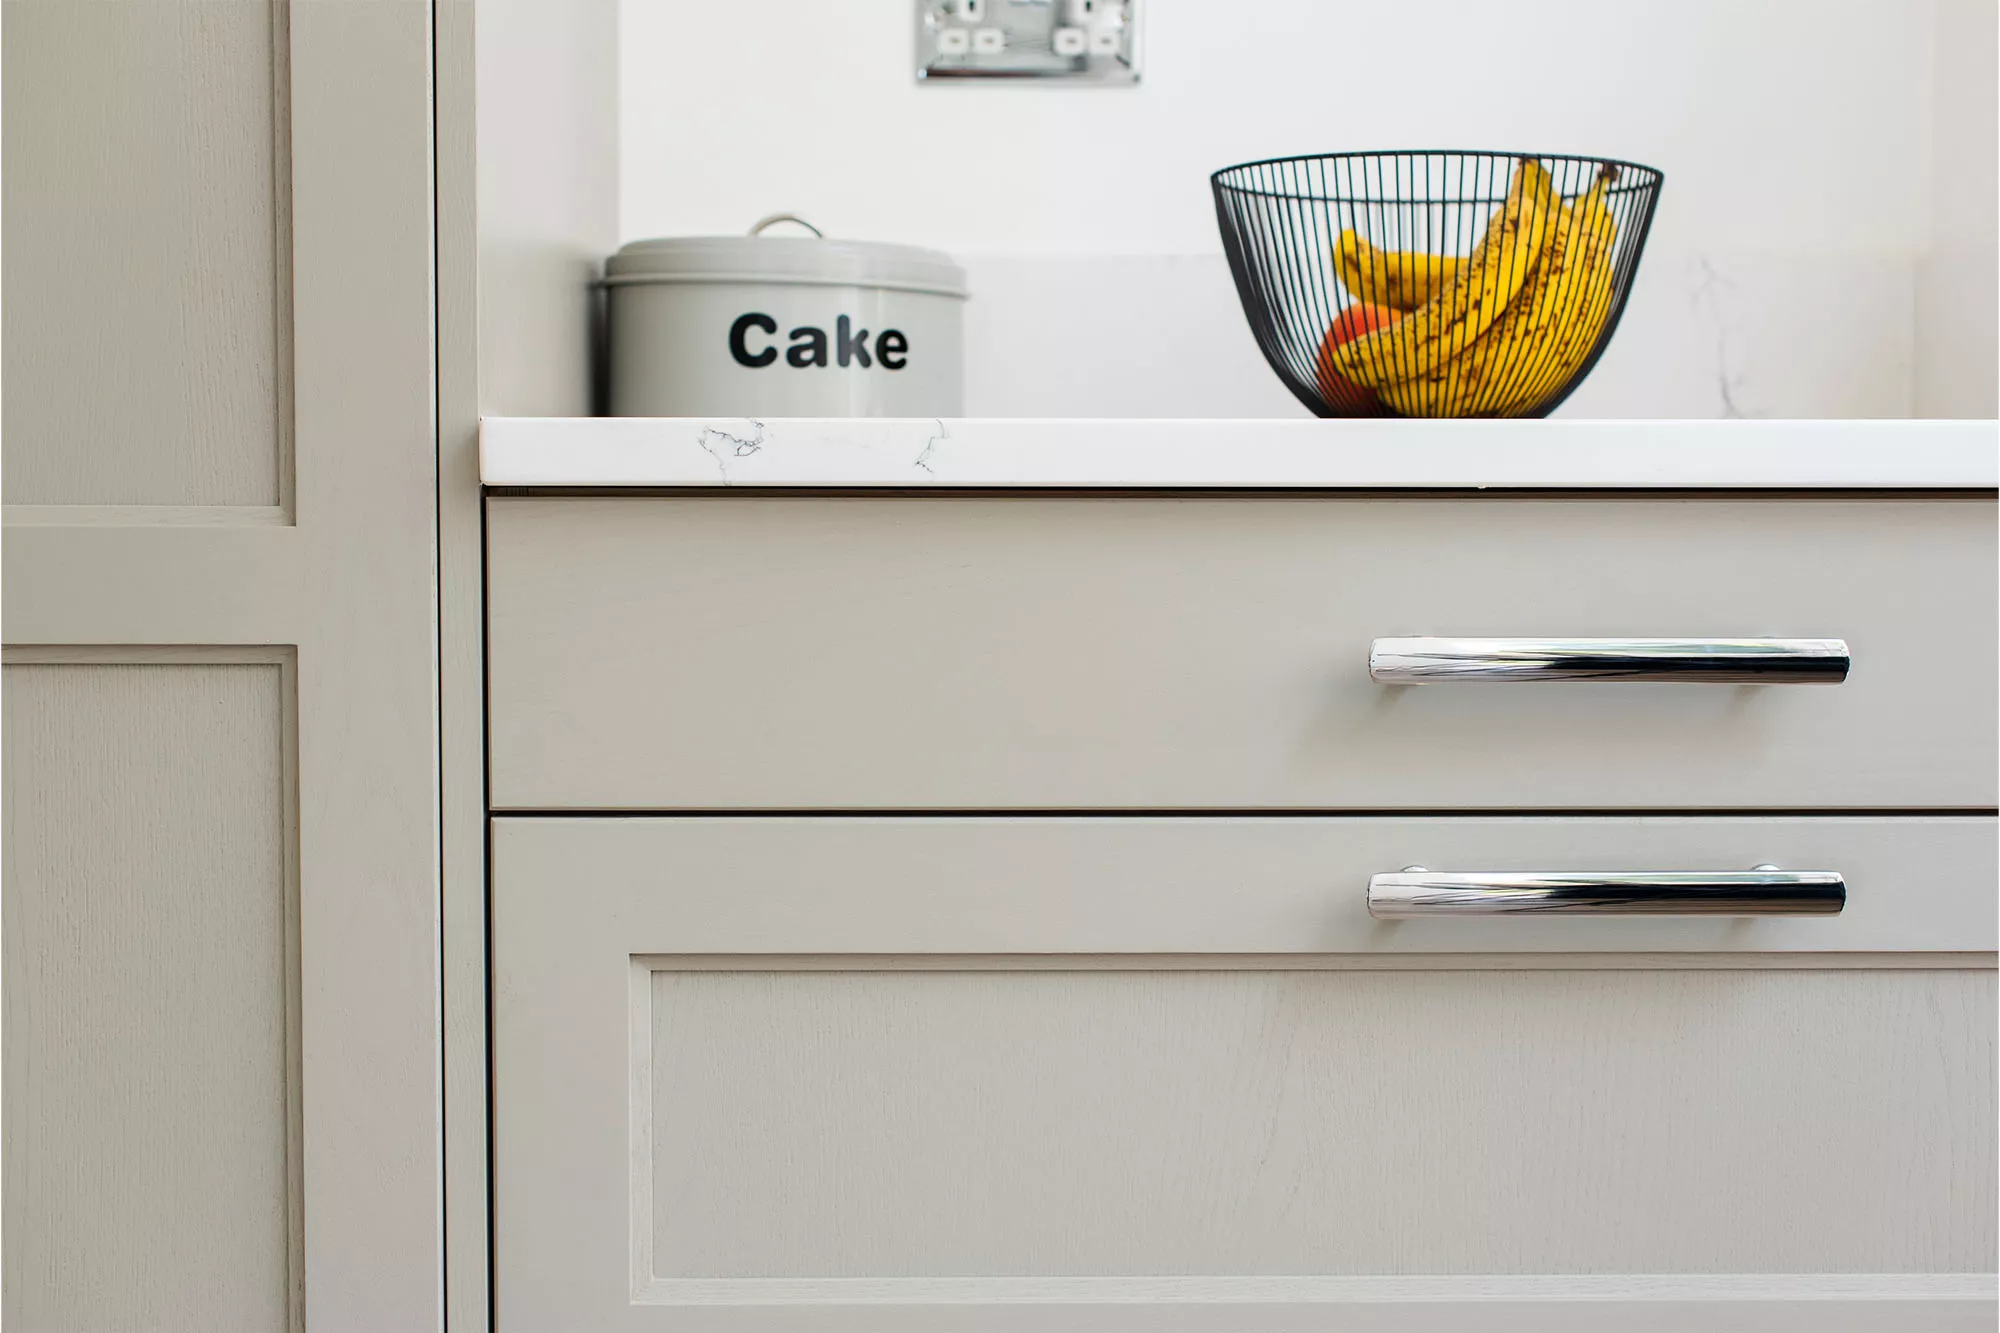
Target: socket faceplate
1082, 41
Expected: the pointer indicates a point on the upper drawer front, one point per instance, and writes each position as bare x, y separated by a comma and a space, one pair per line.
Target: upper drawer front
1212, 652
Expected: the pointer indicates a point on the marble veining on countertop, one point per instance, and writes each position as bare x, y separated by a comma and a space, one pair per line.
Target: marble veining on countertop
1000, 453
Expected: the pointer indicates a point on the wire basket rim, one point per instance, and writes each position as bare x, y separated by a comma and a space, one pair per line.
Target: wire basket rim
1434, 201
1655, 175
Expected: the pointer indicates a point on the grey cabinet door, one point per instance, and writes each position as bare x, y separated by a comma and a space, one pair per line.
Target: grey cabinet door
221, 1040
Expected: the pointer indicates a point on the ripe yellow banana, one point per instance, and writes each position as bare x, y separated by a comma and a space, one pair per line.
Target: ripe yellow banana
1476, 296
1590, 302
1544, 334
1399, 279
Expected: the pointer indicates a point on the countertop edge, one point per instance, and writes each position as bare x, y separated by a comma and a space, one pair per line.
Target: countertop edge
1128, 454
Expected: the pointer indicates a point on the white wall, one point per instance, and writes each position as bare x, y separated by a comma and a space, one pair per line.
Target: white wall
1795, 135
1958, 279
546, 92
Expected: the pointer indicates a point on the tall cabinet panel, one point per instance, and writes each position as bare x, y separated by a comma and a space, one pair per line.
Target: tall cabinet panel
222, 1044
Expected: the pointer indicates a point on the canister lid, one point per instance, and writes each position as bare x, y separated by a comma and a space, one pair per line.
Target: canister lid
803, 260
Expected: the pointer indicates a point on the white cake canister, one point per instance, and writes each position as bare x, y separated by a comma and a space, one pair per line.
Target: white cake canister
749, 326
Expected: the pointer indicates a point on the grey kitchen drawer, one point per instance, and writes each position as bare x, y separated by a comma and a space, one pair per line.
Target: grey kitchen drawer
1211, 651
748, 1071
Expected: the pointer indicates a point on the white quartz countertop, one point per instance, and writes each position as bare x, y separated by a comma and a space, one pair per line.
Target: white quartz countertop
673, 452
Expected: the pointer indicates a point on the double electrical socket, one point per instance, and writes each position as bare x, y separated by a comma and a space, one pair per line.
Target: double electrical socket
1091, 41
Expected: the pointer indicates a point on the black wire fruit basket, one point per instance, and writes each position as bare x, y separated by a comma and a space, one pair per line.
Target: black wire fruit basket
1434, 284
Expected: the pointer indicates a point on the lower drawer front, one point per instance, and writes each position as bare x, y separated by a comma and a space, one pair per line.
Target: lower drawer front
1213, 652
915, 1074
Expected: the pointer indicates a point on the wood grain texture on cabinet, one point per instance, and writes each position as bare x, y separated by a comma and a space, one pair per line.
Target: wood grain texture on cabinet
1194, 1123
151, 1009
148, 258
1192, 1141
248, 465
1211, 652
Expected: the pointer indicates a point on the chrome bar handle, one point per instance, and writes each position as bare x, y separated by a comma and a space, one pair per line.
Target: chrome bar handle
1423, 661
1764, 891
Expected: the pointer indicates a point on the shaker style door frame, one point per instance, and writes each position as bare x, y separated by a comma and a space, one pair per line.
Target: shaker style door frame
337, 583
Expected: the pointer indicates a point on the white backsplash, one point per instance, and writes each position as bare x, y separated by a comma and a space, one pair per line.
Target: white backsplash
1760, 336
1824, 246
1704, 335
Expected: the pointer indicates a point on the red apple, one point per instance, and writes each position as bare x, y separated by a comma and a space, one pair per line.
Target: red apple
1341, 393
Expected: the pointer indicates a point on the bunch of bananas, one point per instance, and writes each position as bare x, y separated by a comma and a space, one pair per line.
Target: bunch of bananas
1494, 333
